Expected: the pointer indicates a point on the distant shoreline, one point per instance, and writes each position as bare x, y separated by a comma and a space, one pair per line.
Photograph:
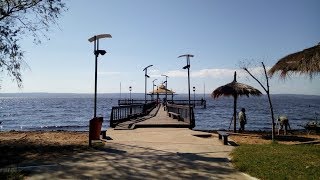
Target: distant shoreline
44, 94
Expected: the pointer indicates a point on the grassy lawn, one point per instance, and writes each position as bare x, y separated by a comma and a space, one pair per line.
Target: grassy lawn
278, 161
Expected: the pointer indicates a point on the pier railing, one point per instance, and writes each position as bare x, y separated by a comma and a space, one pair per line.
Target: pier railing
194, 103
126, 112
185, 112
122, 102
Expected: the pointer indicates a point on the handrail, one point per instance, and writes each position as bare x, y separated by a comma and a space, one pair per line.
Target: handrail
194, 103
132, 101
184, 111
127, 112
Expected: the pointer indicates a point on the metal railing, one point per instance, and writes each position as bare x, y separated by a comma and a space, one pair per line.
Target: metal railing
126, 112
122, 102
185, 112
193, 103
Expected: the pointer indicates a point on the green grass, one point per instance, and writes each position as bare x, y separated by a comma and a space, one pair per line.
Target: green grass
278, 161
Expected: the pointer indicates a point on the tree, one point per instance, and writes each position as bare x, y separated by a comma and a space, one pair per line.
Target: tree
267, 90
19, 18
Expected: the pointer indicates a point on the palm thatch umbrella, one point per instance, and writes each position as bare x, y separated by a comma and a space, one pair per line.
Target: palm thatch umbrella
306, 61
235, 89
162, 89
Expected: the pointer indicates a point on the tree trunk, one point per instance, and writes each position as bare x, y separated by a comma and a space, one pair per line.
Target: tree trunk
268, 94
270, 103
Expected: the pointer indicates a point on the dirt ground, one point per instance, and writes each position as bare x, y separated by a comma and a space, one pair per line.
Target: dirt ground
60, 138
295, 137
18, 147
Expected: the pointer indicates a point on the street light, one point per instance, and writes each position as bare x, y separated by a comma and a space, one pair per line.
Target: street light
153, 88
130, 89
145, 82
188, 67
166, 85
96, 52
194, 96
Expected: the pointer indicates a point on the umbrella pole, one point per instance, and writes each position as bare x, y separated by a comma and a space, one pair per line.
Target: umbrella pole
235, 114
230, 123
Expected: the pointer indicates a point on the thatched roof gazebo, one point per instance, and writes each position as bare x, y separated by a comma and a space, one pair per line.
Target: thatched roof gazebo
306, 61
235, 89
161, 90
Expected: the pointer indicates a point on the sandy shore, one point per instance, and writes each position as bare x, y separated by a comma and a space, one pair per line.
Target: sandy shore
17, 147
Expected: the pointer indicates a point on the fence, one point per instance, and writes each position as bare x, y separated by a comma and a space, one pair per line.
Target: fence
194, 103
185, 112
132, 101
126, 112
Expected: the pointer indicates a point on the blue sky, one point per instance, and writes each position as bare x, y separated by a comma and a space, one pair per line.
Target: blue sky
219, 34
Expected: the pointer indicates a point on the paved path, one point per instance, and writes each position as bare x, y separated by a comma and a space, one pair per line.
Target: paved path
161, 119
147, 153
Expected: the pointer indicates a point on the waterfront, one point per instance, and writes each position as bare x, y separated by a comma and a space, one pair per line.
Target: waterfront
72, 112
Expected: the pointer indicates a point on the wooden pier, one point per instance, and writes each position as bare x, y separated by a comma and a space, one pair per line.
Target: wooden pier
159, 117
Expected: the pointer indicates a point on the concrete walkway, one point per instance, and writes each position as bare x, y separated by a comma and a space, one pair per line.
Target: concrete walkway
147, 153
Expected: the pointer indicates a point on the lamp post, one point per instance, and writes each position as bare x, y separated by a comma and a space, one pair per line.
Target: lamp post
145, 82
153, 88
96, 123
130, 89
96, 52
188, 67
194, 96
157, 94
166, 85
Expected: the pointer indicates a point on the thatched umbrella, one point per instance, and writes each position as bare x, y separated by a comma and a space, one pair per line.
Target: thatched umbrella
235, 89
306, 61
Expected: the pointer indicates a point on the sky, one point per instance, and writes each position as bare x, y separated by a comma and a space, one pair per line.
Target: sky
220, 34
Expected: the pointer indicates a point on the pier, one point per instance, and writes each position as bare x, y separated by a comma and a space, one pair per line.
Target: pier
151, 115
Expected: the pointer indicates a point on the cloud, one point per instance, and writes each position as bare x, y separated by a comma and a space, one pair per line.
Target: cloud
109, 73
215, 73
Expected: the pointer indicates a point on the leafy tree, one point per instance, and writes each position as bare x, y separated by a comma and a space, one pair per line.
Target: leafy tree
20, 18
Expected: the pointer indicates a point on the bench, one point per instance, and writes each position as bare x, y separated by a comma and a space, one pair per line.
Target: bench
174, 115
223, 135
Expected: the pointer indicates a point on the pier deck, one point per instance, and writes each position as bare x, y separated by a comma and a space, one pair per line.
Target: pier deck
157, 118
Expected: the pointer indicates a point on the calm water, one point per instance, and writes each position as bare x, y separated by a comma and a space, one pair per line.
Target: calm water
73, 111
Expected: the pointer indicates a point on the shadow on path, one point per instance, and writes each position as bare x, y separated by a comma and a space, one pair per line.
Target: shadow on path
120, 161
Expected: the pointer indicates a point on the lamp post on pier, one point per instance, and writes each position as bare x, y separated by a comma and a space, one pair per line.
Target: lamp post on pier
194, 96
166, 86
145, 82
130, 89
153, 88
188, 67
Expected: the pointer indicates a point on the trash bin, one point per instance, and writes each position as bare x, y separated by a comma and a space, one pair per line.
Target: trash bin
95, 128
